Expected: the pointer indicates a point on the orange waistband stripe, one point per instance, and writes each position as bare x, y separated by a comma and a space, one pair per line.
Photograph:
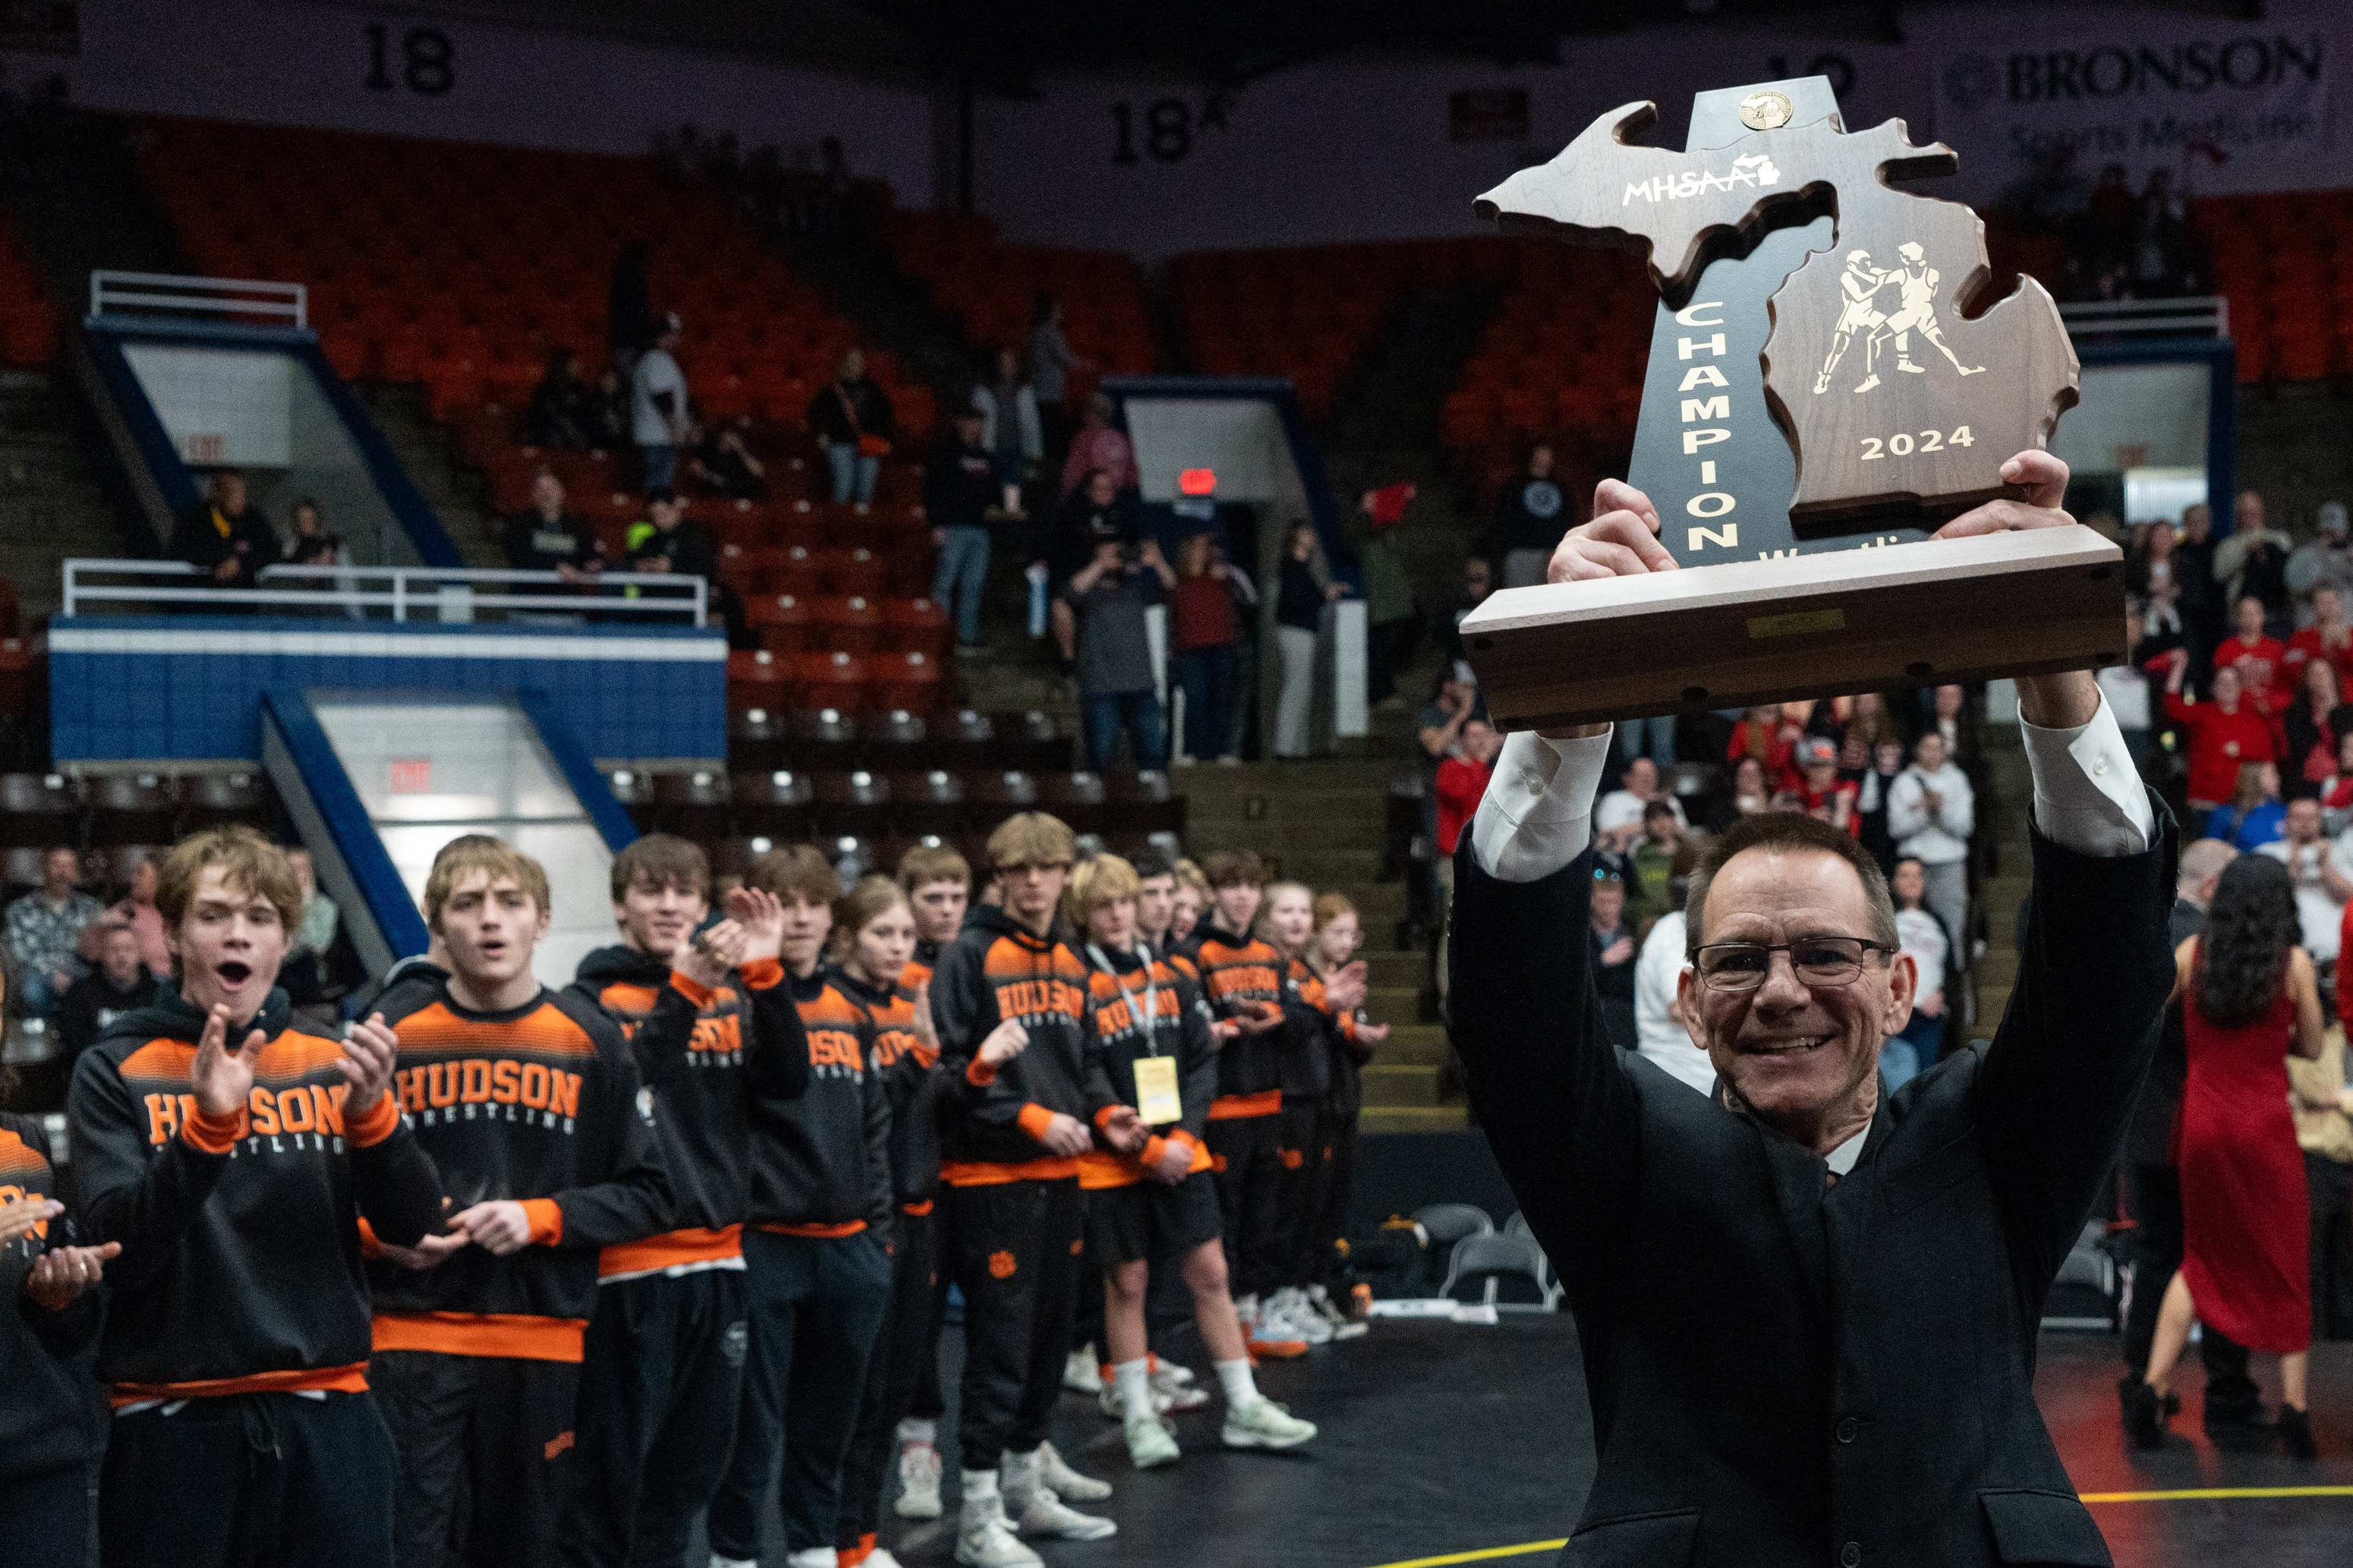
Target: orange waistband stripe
350, 1379
918, 1210
817, 1232
992, 1173
515, 1335
671, 1249
1232, 1107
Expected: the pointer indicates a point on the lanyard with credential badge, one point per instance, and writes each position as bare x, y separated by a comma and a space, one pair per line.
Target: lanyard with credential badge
1158, 1101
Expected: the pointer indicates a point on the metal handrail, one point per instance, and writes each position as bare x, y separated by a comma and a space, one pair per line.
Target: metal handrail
2199, 313
409, 586
210, 296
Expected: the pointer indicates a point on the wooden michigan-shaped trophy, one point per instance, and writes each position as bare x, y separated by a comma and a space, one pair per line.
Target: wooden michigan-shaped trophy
1816, 405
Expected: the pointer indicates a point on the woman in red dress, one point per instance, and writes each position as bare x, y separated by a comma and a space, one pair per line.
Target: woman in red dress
2248, 998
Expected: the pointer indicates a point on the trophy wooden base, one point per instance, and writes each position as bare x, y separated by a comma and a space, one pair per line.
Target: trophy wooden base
1825, 624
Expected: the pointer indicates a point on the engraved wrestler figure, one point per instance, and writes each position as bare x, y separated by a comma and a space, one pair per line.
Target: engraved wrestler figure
1917, 281
1862, 281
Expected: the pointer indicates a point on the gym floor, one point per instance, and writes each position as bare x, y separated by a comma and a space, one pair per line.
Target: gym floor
1445, 1443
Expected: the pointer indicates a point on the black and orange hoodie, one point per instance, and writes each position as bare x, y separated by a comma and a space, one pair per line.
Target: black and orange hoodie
821, 1163
241, 1267
913, 1086
1147, 1006
706, 1054
999, 969
539, 1105
43, 1396
1240, 976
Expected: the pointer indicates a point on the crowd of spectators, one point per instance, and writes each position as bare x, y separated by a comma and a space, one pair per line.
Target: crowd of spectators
2121, 244
1894, 770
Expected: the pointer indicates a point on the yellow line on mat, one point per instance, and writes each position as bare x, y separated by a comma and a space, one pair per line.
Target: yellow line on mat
2194, 1494
1484, 1554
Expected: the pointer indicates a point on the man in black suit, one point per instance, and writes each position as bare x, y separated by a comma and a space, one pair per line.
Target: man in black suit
1751, 1270
2233, 1412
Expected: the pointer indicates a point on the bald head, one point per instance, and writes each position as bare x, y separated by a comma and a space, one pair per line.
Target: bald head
2201, 868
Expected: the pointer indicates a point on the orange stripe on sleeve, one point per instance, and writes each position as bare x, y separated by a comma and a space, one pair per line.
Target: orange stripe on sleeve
982, 1073
1035, 1120
693, 990
375, 1124
763, 973
213, 1134
1102, 1117
369, 1245
546, 1220
1154, 1148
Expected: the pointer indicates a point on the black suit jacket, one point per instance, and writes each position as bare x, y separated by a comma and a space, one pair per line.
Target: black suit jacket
1783, 1371
2149, 1140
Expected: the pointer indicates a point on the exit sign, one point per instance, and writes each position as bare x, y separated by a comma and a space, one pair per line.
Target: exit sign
412, 775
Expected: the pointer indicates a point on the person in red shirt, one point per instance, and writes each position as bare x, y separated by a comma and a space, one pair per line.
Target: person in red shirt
2258, 658
1824, 793
2223, 733
1462, 781
1462, 784
1771, 737
1207, 638
2330, 637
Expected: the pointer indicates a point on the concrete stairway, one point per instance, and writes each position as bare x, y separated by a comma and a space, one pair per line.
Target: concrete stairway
455, 493
52, 503
2001, 894
1320, 822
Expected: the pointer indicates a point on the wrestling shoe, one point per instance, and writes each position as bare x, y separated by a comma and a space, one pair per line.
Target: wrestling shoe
1056, 1474
2145, 1416
1298, 1318
984, 1540
919, 1482
1080, 1374
1914, 369
1046, 1514
880, 1558
1151, 1444
1263, 1424
1868, 383
1172, 1387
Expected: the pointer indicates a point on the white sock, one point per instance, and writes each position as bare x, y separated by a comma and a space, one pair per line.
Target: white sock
979, 1486
1134, 1379
719, 1562
1234, 1377
912, 1431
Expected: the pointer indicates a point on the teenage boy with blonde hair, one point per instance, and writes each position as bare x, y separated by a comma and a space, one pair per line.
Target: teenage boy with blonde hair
1159, 1201
530, 1103
714, 1030
227, 1150
1010, 1164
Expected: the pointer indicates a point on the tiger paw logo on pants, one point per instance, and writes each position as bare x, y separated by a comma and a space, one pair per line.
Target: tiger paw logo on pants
1000, 1265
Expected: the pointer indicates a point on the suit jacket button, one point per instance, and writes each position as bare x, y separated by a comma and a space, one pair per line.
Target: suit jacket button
1851, 1556
1847, 1427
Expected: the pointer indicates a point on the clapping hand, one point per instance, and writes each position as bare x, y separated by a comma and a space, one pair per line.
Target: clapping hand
707, 957
371, 1050
1004, 1042
57, 1278
1124, 1130
762, 917
222, 1077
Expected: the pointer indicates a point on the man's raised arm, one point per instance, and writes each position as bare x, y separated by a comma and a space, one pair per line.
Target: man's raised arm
1547, 1085
2097, 965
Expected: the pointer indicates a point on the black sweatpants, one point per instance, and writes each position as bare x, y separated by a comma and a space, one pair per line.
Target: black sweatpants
236, 1480
486, 1455
891, 1377
659, 1383
1018, 1265
2230, 1392
816, 1306
928, 1403
2331, 1188
1331, 1233
48, 1518
1306, 1160
1243, 1156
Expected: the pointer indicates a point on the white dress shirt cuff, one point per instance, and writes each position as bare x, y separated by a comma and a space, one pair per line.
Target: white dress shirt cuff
1538, 814
2088, 796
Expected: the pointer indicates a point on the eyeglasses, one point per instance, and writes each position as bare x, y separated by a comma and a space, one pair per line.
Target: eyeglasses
1821, 961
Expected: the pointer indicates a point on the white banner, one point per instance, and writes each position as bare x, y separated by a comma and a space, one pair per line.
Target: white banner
2227, 104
